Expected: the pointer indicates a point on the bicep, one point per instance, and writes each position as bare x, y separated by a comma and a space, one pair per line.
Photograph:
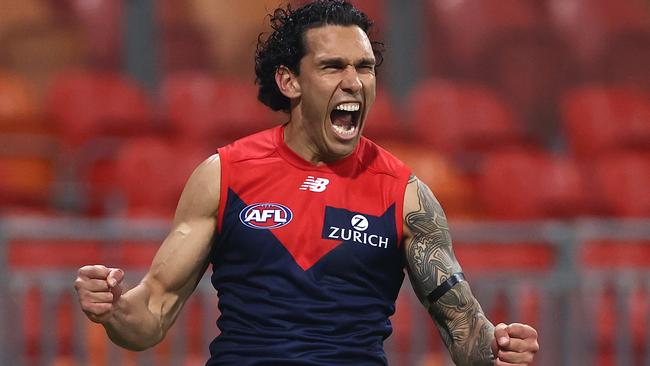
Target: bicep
427, 242
183, 256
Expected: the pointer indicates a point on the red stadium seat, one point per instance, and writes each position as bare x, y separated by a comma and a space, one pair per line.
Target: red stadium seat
212, 111
621, 182
382, 122
529, 70
456, 117
591, 26
598, 119
189, 101
87, 105
26, 180
102, 25
151, 174
452, 188
470, 25
183, 48
525, 185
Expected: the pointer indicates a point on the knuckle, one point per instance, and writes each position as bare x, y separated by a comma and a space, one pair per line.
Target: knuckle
535, 346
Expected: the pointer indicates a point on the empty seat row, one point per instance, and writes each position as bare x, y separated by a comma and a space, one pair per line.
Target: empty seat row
448, 115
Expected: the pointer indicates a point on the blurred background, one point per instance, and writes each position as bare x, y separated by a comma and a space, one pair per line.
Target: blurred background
529, 119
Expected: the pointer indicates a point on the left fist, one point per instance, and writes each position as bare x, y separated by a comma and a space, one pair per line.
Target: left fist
514, 344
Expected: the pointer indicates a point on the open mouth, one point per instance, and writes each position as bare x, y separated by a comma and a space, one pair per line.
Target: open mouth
345, 119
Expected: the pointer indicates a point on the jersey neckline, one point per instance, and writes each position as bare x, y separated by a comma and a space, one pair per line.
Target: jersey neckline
344, 165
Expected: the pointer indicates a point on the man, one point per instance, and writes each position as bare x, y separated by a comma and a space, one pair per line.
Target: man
308, 226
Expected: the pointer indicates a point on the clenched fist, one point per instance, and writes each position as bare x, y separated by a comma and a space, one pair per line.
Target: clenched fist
98, 288
514, 344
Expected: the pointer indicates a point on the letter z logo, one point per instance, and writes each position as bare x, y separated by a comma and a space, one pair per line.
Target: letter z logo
314, 184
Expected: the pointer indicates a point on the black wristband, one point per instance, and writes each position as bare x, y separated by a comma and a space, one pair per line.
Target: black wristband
445, 286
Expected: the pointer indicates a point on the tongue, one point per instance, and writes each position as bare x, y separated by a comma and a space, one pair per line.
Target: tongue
341, 118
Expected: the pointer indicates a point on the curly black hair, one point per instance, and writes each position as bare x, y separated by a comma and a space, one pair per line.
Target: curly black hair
285, 45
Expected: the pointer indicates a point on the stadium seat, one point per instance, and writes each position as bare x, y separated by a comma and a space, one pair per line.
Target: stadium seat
211, 111
451, 186
231, 28
592, 26
240, 113
26, 181
621, 181
183, 48
470, 25
531, 184
101, 21
19, 108
383, 122
37, 51
151, 173
28, 151
27, 11
457, 117
529, 70
598, 119
88, 105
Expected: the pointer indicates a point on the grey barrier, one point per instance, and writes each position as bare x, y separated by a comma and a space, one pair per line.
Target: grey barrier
567, 316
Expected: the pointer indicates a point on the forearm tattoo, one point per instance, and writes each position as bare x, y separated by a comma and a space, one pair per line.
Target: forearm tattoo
464, 328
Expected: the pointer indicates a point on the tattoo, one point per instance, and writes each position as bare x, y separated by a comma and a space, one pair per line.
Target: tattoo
466, 331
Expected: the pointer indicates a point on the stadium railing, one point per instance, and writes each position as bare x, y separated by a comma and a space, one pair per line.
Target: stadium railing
566, 296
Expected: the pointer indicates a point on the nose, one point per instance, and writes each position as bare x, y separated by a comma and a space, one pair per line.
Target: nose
351, 82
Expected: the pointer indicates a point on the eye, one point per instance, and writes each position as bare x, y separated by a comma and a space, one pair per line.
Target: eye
366, 68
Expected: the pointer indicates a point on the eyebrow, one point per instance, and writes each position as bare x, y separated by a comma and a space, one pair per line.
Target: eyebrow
365, 61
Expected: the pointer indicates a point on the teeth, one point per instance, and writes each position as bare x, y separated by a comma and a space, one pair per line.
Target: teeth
348, 107
345, 130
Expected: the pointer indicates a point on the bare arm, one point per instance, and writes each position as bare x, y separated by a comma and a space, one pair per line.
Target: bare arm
140, 318
467, 333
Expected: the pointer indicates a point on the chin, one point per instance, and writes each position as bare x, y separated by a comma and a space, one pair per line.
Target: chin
343, 149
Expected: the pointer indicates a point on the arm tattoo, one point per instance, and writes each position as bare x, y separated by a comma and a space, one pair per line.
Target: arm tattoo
466, 331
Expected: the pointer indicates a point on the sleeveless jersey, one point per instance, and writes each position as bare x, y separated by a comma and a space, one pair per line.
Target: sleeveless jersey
307, 260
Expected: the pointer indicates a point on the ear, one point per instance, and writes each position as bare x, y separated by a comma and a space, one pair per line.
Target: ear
287, 82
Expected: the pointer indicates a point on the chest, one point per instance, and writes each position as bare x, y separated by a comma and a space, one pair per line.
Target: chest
346, 221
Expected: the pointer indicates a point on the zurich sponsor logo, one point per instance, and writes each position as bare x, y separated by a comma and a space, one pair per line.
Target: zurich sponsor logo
359, 222
265, 215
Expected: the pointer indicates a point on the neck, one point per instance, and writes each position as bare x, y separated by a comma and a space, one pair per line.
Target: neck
299, 142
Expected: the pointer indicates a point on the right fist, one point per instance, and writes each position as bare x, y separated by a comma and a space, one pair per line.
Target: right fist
98, 289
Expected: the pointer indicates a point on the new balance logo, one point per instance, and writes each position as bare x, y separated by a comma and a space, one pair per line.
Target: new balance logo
314, 184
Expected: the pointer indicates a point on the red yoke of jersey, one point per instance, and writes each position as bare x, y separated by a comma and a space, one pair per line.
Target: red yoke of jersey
263, 169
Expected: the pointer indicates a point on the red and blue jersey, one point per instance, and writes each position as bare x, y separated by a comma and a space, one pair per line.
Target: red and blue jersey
307, 261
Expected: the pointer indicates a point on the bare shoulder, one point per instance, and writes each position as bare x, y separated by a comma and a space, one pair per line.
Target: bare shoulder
421, 207
202, 190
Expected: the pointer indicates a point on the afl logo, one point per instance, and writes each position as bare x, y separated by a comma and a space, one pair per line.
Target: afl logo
265, 215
